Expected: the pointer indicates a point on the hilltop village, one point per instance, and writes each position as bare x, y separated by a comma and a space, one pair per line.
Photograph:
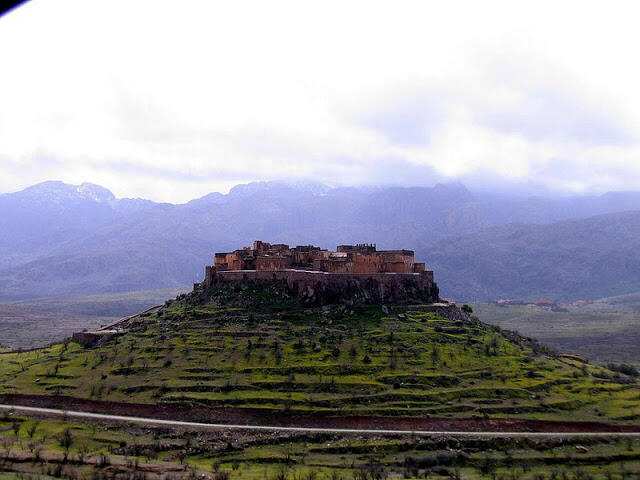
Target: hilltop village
321, 275
351, 274
361, 258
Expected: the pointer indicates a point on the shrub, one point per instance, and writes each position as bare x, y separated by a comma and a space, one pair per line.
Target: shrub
31, 429
66, 439
624, 368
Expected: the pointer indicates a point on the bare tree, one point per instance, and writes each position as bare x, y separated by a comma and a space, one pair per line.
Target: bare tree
66, 439
31, 429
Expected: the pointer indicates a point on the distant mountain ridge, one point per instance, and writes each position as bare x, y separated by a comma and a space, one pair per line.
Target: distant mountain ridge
37, 220
576, 259
58, 239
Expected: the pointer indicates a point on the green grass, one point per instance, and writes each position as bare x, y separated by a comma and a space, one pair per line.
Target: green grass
98, 450
255, 348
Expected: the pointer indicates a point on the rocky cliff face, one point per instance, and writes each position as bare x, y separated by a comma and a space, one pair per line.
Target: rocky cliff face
318, 288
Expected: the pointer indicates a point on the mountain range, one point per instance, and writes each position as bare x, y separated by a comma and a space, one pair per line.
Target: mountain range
58, 239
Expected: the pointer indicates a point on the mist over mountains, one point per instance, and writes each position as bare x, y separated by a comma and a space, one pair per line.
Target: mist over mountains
59, 239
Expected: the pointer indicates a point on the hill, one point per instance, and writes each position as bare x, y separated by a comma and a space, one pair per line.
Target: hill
579, 259
251, 355
254, 352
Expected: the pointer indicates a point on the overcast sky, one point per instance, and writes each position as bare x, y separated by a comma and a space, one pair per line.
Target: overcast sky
151, 101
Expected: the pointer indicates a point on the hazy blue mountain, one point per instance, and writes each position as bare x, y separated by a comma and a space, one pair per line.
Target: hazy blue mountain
58, 239
502, 209
37, 220
579, 259
168, 245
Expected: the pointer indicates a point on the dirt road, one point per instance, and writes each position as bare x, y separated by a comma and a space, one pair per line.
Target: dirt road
275, 428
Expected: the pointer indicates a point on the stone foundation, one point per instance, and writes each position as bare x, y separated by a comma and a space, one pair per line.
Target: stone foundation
88, 339
323, 287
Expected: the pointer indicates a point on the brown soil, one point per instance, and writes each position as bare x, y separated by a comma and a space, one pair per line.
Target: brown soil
241, 416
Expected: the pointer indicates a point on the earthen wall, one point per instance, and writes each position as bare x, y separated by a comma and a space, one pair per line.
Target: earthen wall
273, 263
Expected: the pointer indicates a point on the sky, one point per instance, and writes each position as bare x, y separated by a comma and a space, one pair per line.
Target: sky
169, 104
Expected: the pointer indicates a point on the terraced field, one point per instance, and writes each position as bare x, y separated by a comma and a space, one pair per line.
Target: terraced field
255, 348
53, 448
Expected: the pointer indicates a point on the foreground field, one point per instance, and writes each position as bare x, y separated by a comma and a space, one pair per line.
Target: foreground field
603, 332
65, 448
253, 348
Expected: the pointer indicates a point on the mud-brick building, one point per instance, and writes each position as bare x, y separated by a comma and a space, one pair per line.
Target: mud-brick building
358, 259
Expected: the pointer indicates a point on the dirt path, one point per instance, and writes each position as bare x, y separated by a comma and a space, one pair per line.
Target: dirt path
213, 426
255, 419
124, 319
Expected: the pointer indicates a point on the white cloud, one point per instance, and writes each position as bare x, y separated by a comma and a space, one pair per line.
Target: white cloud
150, 100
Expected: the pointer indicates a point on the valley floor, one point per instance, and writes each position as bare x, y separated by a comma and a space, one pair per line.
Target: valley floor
600, 332
37, 322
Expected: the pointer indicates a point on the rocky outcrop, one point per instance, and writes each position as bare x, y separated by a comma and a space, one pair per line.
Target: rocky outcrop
446, 310
324, 288
89, 339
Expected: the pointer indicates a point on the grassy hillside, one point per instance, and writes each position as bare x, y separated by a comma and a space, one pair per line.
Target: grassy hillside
253, 347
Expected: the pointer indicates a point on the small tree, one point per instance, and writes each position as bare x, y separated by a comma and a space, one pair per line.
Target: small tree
66, 439
31, 429
467, 309
83, 452
435, 354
